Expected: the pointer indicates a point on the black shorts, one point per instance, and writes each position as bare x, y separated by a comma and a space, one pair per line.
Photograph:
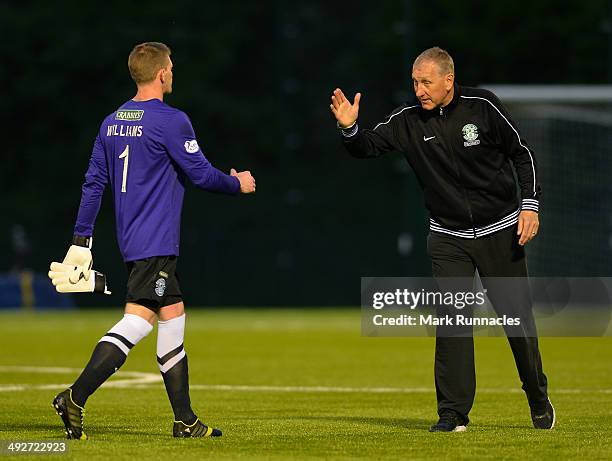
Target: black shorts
153, 282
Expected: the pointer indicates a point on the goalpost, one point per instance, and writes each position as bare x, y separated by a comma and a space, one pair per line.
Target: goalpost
569, 127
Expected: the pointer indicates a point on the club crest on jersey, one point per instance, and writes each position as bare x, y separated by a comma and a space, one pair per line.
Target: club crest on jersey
160, 287
470, 134
192, 146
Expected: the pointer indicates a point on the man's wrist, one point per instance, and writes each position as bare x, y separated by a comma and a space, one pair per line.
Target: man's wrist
237, 187
340, 127
82, 241
530, 204
350, 130
99, 283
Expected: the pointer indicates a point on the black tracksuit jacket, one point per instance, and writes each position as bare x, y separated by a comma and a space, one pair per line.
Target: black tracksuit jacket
462, 155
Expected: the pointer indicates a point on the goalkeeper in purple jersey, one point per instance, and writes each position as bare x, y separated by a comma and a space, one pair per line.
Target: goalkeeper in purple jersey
145, 151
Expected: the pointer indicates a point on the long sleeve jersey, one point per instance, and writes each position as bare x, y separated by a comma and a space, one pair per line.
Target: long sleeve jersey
145, 151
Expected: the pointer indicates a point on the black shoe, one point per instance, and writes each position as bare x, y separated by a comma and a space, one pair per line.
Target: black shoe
71, 414
546, 419
450, 421
197, 429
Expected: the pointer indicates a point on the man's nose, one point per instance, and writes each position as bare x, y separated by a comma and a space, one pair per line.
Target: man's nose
418, 90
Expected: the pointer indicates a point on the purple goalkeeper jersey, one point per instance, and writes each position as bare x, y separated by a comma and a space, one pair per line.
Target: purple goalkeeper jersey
145, 150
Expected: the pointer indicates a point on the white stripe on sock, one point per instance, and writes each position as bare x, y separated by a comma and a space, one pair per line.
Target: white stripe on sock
173, 361
116, 342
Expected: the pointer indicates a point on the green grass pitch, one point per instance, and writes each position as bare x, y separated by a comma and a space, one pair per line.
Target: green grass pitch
297, 384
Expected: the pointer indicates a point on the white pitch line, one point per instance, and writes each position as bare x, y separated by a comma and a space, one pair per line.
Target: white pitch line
333, 389
130, 378
372, 390
143, 380
134, 384
136, 375
33, 369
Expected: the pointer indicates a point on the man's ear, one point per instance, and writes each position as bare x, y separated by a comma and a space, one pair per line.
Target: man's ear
450, 80
162, 75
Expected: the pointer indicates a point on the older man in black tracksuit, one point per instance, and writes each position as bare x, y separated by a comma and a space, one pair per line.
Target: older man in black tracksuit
462, 145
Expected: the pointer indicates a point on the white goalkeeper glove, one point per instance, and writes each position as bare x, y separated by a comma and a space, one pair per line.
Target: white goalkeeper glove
90, 282
79, 257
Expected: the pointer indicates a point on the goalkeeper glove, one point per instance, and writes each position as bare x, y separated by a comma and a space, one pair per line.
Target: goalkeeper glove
79, 257
90, 282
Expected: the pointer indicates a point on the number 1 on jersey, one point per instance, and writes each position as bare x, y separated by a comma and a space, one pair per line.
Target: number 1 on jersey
126, 155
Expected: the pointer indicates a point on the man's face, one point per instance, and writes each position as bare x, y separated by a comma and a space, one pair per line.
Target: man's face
432, 88
166, 76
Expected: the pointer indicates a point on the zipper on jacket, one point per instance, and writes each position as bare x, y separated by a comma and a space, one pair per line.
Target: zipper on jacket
469, 207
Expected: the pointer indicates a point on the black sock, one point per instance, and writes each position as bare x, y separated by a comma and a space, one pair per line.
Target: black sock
173, 366
105, 360
109, 354
176, 380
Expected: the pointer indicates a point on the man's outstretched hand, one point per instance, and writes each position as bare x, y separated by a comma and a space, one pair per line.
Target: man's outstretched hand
247, 181
345, 112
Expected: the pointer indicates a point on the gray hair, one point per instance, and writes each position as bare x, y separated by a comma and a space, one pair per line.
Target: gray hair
440, 57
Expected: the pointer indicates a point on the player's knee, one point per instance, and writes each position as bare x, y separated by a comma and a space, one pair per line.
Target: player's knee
141, 311
171, 311
126, 334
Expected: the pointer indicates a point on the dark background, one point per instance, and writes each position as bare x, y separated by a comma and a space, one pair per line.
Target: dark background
255, 79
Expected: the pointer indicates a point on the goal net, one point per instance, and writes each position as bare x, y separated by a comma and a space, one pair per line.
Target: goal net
570, 131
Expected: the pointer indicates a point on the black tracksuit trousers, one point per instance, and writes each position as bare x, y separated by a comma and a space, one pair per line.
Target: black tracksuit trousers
496, 255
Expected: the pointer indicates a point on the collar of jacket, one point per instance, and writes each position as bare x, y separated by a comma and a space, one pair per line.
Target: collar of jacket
456, 93
449, 107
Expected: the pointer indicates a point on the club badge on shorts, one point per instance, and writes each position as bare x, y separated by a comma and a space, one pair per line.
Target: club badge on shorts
470, 134
160, 287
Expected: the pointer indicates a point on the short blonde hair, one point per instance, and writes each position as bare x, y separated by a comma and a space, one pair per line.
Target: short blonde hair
146, 59
440, 57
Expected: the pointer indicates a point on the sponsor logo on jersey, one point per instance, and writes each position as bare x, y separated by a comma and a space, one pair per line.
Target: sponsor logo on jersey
192, 146
160, 287
470, 134
129, 115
